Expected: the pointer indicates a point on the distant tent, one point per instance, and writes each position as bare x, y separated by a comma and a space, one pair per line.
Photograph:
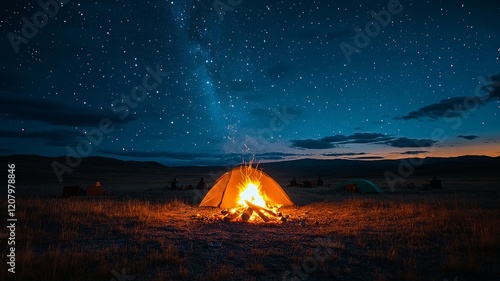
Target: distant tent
358, 186
95, 190
72, 190
225, 192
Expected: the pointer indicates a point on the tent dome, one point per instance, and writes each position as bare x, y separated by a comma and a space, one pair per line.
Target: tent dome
359, 186
225, 192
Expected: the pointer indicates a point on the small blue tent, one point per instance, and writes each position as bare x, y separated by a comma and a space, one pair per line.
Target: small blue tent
359, 186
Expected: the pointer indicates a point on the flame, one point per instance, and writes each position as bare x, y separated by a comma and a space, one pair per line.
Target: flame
250, 189
251, 193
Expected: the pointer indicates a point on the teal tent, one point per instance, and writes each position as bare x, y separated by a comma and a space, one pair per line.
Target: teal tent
358, 186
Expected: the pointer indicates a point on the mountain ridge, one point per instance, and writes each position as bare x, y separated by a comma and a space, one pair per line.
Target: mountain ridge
40, 168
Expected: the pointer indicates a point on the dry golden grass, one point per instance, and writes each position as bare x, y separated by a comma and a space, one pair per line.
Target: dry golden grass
218, 272
255, 266
386, 237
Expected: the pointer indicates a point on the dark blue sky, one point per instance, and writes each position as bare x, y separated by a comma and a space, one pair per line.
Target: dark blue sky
193, 82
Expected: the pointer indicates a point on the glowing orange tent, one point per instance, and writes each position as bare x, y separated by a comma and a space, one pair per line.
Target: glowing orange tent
228, 191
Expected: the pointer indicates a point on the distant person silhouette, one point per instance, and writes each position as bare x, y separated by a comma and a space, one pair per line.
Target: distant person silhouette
202, 184
435, 183
307, 183
173, 184
293, 182
319, 182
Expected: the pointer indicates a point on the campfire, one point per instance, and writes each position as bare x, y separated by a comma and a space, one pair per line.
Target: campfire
247, 193
252, 202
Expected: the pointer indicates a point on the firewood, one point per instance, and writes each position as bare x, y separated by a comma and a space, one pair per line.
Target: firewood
270, 212
230, 216
247, 214
257, 209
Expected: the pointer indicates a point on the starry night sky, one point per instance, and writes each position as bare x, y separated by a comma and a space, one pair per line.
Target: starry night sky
196, 83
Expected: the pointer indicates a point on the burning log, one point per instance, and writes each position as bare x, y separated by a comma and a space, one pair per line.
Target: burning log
257, 207
270, 212
230, 216
247, 214
258, 210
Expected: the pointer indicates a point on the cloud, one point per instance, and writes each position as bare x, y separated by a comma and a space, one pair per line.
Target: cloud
356, 138
54, 112
165, 154
444, 108
311, 144
367, 138
333, 141
413, 152
361, 138
273, 156
188, 156
336, 138
458, 106
407, 142
345, 154
52, 138
368, 157
468, 137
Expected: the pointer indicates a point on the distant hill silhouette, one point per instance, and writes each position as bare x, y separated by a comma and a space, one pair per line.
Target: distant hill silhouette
38, 169
463, 165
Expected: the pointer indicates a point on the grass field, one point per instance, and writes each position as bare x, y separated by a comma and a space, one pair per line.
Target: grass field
430, 235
